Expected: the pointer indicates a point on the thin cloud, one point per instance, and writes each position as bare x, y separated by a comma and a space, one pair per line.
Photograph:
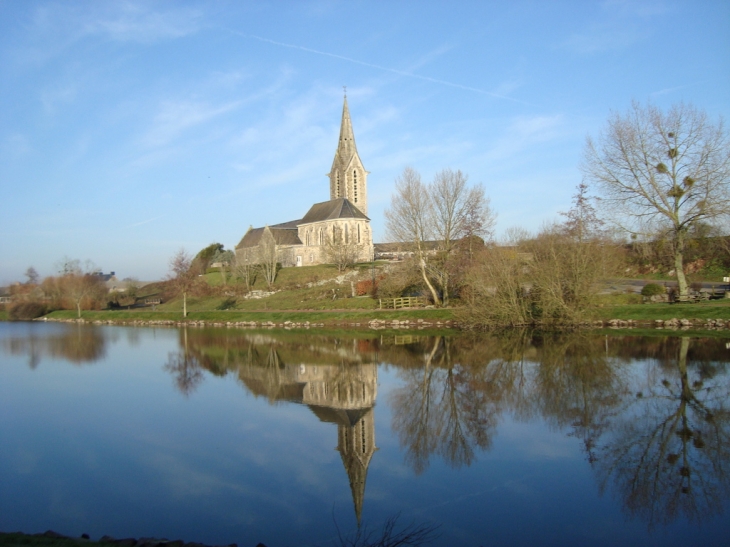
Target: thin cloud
144, 222
383, 68
175, 117
668, 90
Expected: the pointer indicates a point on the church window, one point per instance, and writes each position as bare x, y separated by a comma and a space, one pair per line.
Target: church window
354, 185
338, 184
321, 236
358, 234
347, 235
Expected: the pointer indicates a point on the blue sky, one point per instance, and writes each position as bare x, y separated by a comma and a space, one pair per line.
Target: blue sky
131, 129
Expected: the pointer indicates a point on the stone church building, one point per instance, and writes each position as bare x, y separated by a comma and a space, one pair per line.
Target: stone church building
340, 221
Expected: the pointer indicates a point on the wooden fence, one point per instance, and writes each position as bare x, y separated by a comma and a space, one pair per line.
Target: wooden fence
400, 303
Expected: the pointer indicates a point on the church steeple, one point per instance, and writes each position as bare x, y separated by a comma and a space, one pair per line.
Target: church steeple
348, 177
346, 146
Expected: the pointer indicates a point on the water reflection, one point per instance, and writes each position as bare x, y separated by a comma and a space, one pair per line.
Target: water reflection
667, 450
77, 344
336, 381
663, 447
651, 413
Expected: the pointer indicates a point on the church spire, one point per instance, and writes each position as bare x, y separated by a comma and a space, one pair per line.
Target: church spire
346, 147
348, 177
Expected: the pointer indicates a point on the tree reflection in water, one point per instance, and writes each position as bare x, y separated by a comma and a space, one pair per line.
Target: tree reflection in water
185, 366
667, 451
662, 447
77, 344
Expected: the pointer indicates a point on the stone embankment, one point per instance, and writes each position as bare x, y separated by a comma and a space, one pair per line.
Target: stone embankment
381, 324
672, 324
376, 324
52, 538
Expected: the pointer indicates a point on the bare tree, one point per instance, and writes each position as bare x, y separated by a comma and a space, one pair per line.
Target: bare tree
409, 220
433, 219
182, 275
662, 172
341, 250
245, 268
268, 257
82, 285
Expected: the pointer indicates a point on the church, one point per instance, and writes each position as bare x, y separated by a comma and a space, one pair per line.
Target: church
340, 221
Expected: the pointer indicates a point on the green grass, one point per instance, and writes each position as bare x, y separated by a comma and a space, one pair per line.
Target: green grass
3, 315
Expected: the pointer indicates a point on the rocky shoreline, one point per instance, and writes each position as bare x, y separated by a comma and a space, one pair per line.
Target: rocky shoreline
52, 538
407, 324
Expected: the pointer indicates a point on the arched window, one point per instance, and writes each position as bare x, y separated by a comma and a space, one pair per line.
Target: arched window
321, 236
354, 185
358, 234
347, 234
337, 177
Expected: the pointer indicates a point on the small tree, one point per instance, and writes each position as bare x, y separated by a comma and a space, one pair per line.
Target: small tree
340, 250
182, 276
245, 268
268, 257
206, 256
32, 276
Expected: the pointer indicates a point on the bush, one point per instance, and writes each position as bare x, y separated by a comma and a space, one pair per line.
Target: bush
25, 311
652, 289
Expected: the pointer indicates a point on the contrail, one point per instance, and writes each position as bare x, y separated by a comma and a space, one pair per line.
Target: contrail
383, 68
144, 222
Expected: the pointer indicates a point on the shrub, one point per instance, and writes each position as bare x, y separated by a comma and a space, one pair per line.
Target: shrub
25, 311
651, 289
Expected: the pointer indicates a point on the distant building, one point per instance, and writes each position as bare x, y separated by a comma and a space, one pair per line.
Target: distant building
342, 219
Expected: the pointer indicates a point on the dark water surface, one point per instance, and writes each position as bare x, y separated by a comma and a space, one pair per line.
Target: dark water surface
222, 436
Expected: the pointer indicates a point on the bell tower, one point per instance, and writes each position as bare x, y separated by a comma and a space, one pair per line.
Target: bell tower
348, 177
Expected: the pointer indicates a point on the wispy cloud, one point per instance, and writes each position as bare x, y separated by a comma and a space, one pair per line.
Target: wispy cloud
404, 73
602, 38
138, 23
174, 117
669, 90
524, 131
144, 222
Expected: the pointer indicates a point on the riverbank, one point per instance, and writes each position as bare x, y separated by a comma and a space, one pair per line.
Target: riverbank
704, 319
54, 539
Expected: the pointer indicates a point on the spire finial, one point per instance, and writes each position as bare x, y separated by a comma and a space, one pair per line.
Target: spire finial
344, 87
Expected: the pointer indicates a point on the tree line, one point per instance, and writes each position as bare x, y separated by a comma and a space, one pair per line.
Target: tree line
660, 177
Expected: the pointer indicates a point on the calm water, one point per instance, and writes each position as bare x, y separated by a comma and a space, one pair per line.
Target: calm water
224, 436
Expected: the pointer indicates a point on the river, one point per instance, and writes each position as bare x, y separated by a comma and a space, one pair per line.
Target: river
293, 438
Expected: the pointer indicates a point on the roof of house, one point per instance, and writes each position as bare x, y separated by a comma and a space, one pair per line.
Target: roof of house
331, 210
284, 234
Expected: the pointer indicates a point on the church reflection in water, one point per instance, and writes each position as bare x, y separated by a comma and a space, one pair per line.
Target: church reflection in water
337, 381
342, 394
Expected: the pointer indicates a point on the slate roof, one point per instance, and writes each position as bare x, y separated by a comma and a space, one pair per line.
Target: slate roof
333, 209
284, 234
